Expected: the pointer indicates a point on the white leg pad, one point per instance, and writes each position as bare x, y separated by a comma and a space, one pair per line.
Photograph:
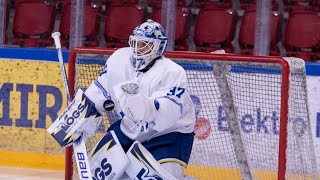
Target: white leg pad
107, 159
143, 165
175, 169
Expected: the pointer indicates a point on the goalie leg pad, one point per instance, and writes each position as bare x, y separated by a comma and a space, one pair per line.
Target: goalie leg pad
107, 159
143, 165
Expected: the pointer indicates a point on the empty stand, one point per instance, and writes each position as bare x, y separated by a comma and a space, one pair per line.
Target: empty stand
181, 26
158, 3
48, 2
114, 2
207, 3
298, 2
294, 5
249, 5
302, 35
247, 32
33, 24
214, 29
66, 2
91, 25
120, 22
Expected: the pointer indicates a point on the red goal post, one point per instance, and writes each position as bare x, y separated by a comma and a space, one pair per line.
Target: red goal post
252, 114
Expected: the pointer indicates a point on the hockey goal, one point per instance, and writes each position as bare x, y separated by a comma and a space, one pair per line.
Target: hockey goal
252, 114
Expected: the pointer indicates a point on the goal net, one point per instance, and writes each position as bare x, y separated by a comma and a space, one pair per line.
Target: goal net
252, 114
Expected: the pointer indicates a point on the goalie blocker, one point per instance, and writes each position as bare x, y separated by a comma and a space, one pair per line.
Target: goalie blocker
79, 119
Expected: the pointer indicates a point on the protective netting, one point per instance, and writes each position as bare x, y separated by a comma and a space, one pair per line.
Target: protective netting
238, 106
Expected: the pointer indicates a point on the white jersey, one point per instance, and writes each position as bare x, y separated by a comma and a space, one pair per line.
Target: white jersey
164, 83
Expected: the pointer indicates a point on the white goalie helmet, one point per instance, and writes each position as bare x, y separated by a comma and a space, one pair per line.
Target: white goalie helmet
148, 41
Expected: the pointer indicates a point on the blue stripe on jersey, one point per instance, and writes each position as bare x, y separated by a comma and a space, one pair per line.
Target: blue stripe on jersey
104, 91
174, 101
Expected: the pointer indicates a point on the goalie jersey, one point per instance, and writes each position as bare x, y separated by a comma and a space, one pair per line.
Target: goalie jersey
164, 84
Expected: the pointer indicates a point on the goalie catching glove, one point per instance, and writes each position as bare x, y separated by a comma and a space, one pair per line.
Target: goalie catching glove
79, 120
134, 105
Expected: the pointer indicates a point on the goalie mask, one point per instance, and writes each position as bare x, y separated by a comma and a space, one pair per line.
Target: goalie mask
148, 41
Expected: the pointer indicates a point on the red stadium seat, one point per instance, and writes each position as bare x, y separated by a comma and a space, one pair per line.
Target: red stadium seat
181, 26
66, 2
227, 4
120, 21
316, 5
298, 2
115, 2
158, 3
214, 29
91, 26
48, 2
294, 5
33, 24
302, 37
249, 5
247, 32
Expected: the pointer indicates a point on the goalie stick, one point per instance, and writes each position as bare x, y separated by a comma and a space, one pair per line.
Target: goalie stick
79, 148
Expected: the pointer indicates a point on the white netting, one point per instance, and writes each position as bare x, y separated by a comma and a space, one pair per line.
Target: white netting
244, 142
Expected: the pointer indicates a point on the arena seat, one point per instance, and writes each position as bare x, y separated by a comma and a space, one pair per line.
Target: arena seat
247, 32
214, 29
316, 5
33, 24
226, 4
249, 5
16, 2
181, 26
302, 36
158, 3
91, 26
114, 2
120, 21
294, 5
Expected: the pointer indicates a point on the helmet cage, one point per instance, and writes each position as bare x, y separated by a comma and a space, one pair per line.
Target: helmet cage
143, 47
146, 49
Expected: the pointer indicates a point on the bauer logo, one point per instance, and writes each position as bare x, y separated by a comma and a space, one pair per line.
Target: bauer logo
104, 171
83, 166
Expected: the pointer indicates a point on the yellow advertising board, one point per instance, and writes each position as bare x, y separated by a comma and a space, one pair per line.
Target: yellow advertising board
31, 97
